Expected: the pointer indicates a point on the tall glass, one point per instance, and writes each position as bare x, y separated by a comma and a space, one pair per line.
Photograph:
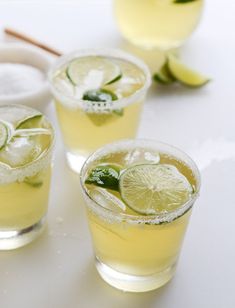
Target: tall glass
26, 146
88, 124
137, 252
162, 24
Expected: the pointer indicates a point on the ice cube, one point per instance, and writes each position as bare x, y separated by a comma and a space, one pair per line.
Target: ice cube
94, 79
141, 156
107, 200
20, 151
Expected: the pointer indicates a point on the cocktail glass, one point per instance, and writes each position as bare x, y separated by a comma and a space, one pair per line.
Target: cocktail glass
85, 123
26, 144
137, 250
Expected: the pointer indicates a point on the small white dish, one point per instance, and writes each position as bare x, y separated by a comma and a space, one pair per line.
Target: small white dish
28, 55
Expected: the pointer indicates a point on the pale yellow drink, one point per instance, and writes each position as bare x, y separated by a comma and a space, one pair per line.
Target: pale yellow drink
160, 24
26, 139
137, 252
87, 123
22, 204
144, 249
83, 133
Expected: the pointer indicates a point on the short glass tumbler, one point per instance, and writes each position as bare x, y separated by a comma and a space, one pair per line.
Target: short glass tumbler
26, 144
88, 123
136, 252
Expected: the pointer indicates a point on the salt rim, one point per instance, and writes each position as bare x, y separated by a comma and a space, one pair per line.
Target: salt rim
18, 174
89, 106
127, 144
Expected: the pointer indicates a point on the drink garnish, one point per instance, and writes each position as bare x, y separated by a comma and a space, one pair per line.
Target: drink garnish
105, 176
99, 95
151, 189
80, 69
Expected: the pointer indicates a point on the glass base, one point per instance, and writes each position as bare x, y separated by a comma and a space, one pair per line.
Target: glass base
133, 283
15, 239
75, 161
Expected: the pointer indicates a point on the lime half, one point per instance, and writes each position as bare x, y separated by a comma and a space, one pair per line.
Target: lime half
88, 69
152, 189
184, 74
3, 135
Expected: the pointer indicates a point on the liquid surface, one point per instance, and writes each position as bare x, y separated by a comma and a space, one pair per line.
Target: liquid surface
170, 172
93, 72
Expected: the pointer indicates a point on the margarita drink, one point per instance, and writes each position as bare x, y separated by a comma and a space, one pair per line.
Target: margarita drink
158, 23
99, 97
26, 139
139, 196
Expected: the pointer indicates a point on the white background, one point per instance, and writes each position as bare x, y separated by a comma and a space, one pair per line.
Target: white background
57, 270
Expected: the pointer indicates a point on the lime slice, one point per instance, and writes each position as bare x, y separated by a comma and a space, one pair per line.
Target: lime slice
100, 119
152, 189
106, 176
107, 200
31, 132
119, 112
3, 135
81, 70
164, 76
31, 122
34, 181
184, 74
16, 115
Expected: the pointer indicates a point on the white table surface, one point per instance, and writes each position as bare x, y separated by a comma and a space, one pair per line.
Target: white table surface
57, 270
